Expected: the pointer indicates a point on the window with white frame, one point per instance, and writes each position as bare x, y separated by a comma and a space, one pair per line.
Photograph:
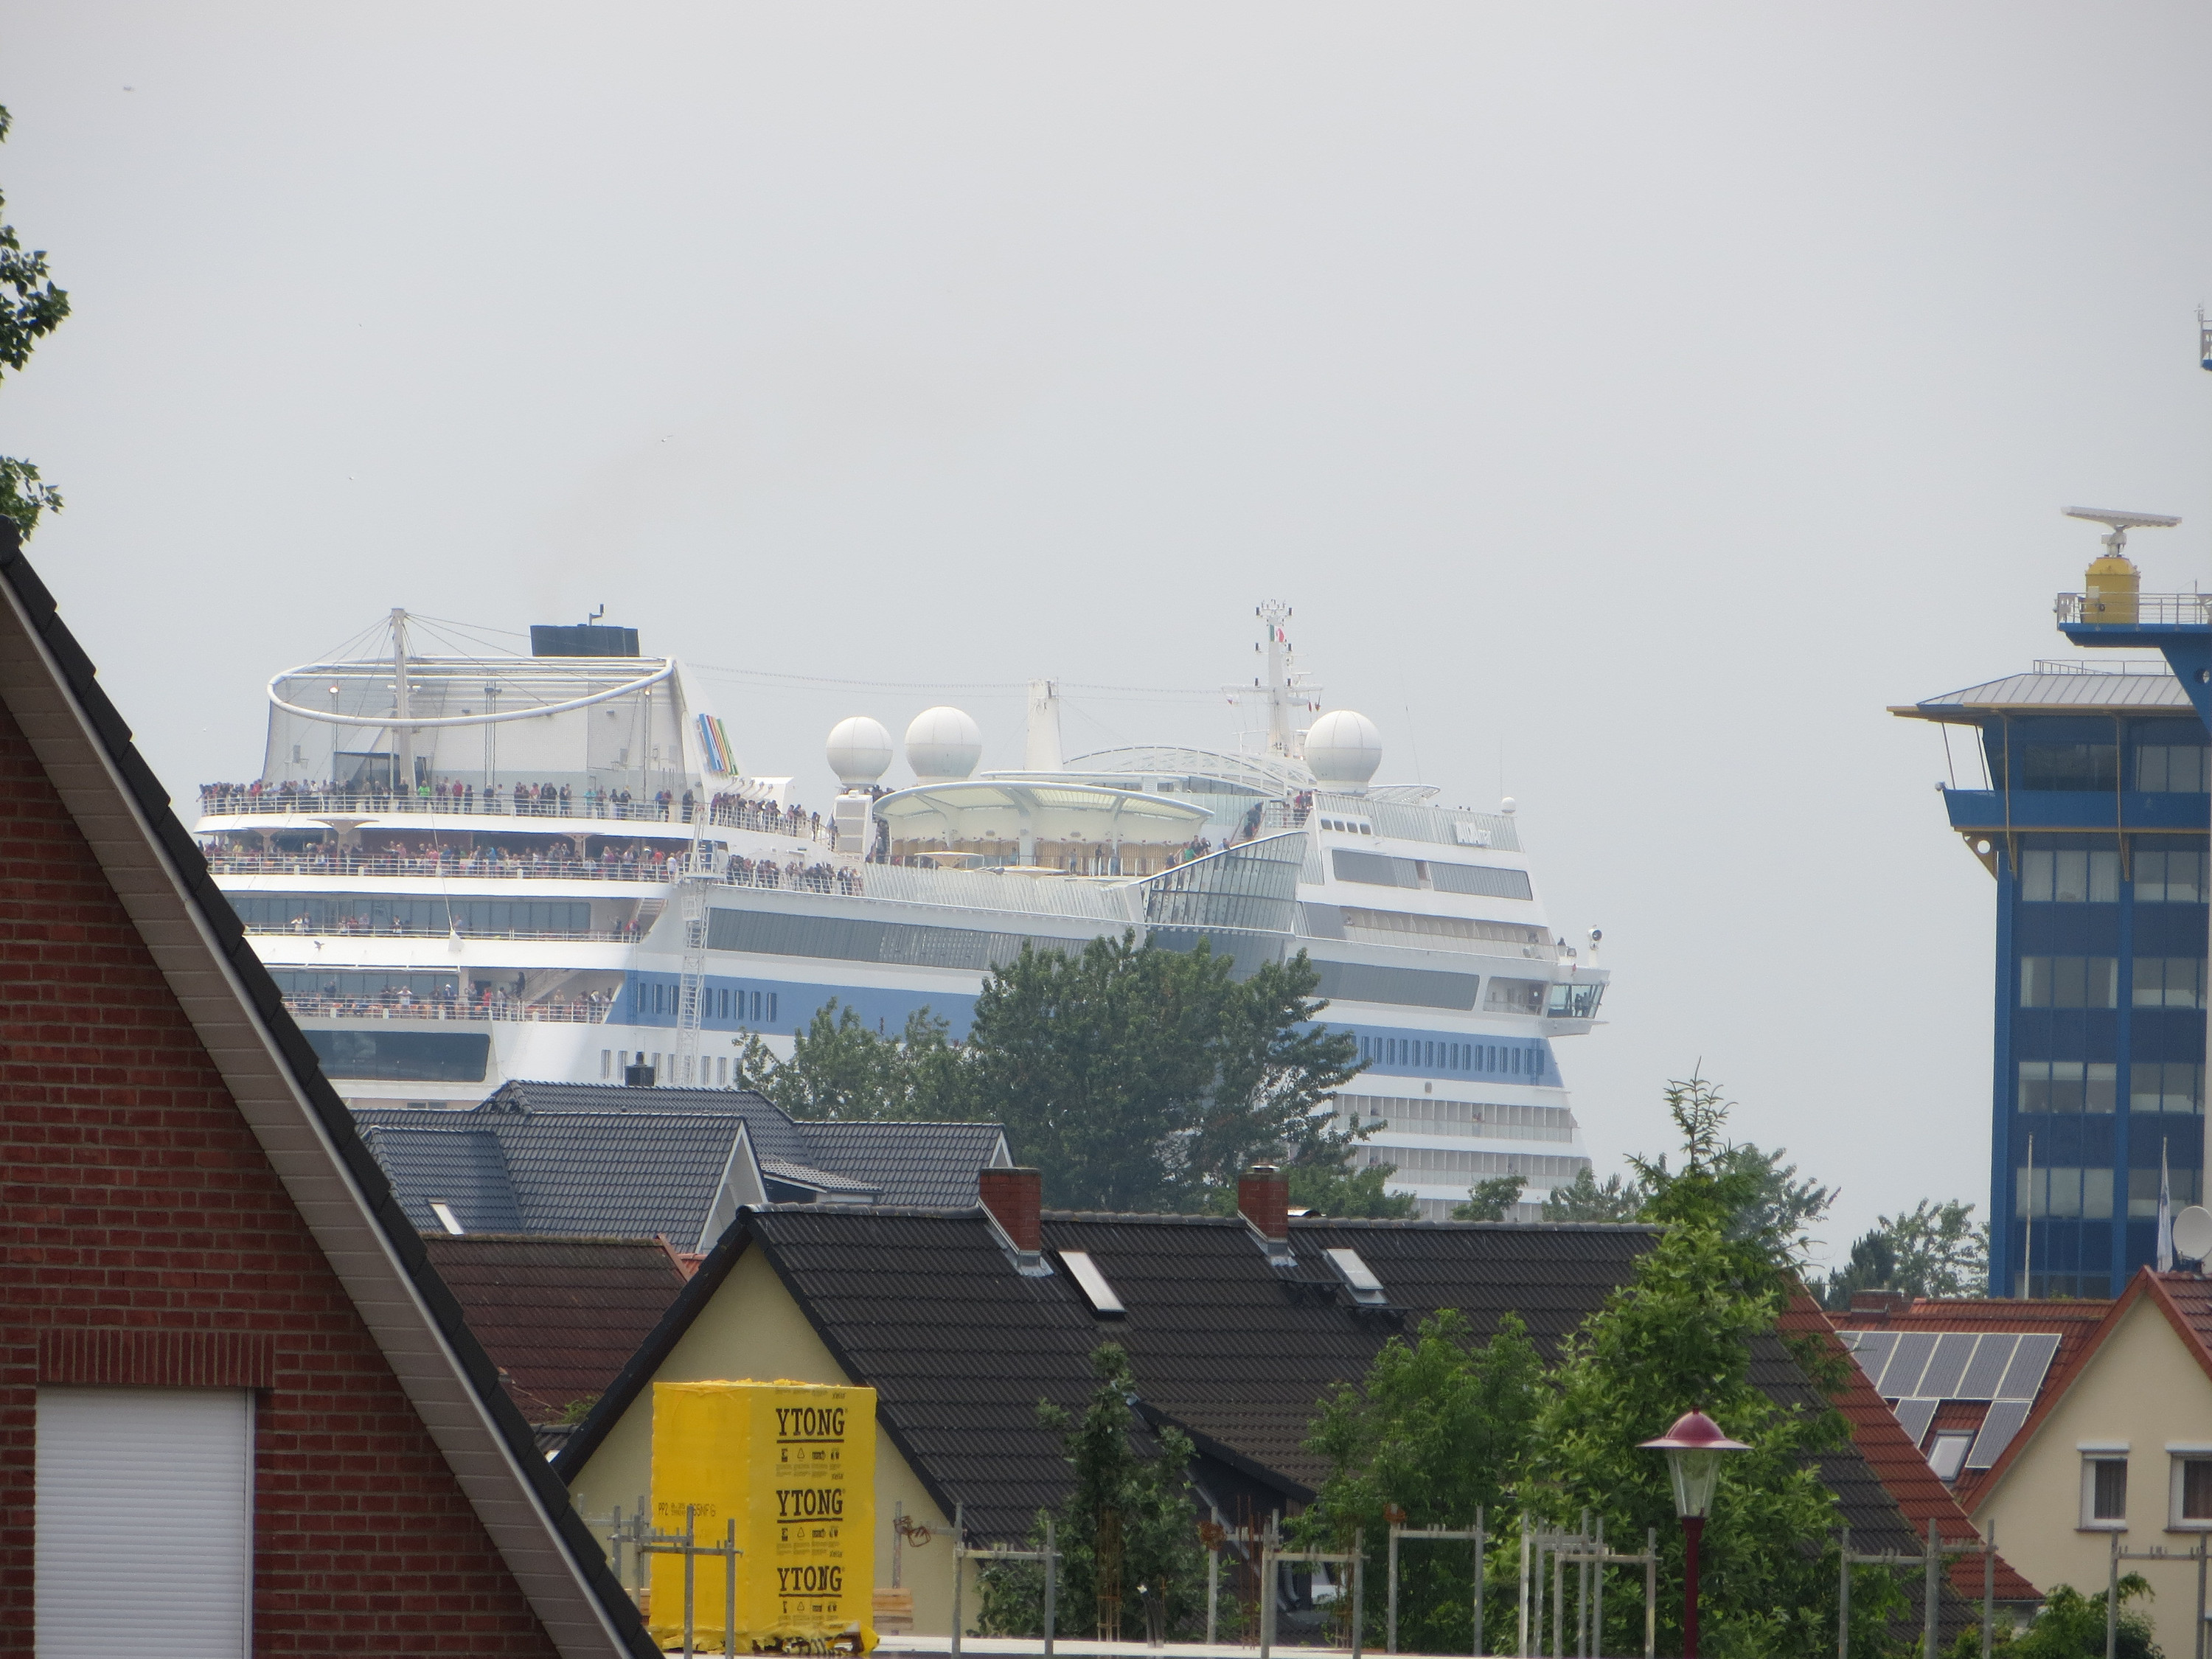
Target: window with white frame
2189, 1504
1947, 1454
2104, 1488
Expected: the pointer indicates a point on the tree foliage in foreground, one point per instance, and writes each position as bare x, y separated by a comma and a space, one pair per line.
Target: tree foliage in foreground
1137, 1078
1563, 1439
2072, 1626
31, 308
1128, 1533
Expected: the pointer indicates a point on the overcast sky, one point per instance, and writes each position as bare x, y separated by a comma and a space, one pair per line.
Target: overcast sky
1632, 402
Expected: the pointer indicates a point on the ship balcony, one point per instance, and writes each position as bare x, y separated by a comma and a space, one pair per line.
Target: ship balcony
582, 1010
2103, 811
349, 863
575, 816
2140, 619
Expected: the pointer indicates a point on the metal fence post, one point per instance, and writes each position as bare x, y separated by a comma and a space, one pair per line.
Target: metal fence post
730, 1593
959, 1544
2200, 1594
2113, 1602
1650, 1593
1843, 1599
1521, 1646
1558, 1605
1267, 1591
1051, 1586
1358, 1587
1932, 1595
1480, 1539
1597, 1596
690, 1574
1390, 1618
1212, 1592
1989, 1587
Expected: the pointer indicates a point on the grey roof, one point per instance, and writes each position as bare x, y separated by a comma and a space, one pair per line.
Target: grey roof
927, 1165
462, 1168
2088, 691
575, 1159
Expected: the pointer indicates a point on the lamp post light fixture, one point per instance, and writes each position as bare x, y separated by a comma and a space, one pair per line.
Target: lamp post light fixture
1694, 1448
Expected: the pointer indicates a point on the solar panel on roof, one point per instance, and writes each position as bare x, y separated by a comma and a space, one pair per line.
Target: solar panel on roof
1949, 1363
1997, 1430
1914, 1416
1909, 1358
1987, 1372
2025, 1374
1871, 1349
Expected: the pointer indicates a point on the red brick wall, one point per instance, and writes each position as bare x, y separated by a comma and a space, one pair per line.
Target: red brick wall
136, 1200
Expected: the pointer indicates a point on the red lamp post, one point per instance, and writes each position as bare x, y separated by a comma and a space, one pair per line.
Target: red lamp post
1694, 1448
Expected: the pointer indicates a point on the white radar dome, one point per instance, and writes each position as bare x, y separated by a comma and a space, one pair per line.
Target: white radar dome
859, 751
1344, 748
943, 745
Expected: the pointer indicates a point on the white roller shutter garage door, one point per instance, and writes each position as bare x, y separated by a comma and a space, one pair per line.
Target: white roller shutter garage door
145, 1522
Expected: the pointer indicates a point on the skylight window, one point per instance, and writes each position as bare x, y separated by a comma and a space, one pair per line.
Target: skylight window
1092, 1282
1358, 1277
1948, 1453
447, 1219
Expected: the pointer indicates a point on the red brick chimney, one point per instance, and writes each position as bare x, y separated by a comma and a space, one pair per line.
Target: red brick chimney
1263, 1198
1869, 1306
1015, 1197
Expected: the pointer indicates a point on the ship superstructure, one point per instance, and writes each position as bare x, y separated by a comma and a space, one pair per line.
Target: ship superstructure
470, 867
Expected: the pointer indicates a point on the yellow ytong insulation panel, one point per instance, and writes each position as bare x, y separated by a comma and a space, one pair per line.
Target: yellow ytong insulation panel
794, 1465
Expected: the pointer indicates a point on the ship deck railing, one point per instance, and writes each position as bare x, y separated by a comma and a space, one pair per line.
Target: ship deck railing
228, 802
567, 1013
2143, 611
592, 936
280, 864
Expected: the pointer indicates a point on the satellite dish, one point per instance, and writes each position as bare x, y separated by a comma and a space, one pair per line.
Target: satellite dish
2193, 1233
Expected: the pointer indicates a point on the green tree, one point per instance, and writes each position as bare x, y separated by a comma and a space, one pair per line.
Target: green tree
1678, 1337
2072, 1626
1146, 1079
1128, 1533
1936, 1250
1772, 1204
839, 1068
1492, 1199
1440, 1428
31, 308
1328, 1187
1587, 1200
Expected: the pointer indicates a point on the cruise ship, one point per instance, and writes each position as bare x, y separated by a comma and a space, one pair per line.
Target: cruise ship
471, 867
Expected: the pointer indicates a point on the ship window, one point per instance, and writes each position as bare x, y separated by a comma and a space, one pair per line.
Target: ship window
2069, 983
1517, 996
2072, 876
2070, 766
606, 1062
2174, 768
2169, 878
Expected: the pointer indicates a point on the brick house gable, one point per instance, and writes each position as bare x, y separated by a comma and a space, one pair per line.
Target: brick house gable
165, 1228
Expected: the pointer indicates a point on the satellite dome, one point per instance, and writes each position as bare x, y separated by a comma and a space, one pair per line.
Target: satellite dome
1344, 749
943, 745
859, 751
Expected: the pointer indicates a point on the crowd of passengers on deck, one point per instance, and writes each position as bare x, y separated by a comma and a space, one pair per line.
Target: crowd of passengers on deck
515, 801
488, 1002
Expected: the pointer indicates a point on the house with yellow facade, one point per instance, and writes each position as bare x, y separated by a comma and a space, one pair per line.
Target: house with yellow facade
2066, 1426
961, 1320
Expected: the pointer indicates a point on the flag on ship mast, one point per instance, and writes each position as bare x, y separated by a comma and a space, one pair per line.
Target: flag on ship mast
2164, 1216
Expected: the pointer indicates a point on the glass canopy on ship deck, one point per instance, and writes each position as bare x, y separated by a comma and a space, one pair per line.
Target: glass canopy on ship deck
606, 724
1073, 828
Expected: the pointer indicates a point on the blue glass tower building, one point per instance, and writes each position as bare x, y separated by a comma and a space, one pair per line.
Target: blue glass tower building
2090, 802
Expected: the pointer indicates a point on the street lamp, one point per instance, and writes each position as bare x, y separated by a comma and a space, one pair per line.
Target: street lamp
1694, 1448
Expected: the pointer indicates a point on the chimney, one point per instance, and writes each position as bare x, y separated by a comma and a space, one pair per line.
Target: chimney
1872, 1305
1015, 1197
1263, 1198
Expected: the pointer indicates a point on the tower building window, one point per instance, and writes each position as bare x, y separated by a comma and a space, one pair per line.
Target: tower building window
2067, 1085
2069, 982
2173, 769
2071, 766
2166, 878
2070, 876
2169, 982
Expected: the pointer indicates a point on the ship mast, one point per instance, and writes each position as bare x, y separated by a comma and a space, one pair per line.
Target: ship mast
403, 736
1283, 691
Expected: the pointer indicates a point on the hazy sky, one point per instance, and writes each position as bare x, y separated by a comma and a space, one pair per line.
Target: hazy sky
1633, 403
